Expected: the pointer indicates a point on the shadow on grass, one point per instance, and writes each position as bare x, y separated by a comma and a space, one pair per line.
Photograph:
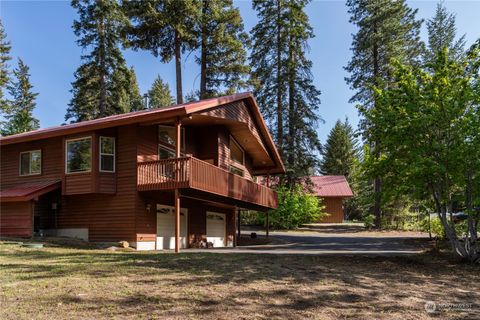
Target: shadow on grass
271, 283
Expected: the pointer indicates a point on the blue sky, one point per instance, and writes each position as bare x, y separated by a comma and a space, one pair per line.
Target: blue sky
40, 33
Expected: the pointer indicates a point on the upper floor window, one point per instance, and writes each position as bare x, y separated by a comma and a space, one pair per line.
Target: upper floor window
30, 162
107, 154
167, 136
236, 152
79, 155
237, 157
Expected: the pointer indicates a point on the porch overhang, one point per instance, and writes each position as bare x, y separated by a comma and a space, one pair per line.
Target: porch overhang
28, 191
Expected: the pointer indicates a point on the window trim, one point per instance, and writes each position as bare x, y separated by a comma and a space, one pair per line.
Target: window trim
29, 164
169, 149
232, 139
100, 153
168, 145
66, 154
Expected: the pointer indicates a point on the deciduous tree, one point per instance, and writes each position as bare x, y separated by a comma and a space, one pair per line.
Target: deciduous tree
386, 30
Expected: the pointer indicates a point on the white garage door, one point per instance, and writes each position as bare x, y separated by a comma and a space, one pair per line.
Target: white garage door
216, 228
166, 227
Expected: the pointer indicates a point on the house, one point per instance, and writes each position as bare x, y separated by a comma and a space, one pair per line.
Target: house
332, 190
160, 179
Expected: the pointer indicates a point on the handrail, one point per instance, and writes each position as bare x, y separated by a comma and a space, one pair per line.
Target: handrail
190, 172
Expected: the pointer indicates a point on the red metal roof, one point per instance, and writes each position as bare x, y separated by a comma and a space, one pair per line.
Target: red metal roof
331, 186
28, 191
170, 112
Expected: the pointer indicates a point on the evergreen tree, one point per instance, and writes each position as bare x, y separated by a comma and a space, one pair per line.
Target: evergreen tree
222, 51
166, 28
125, 91
386, 30
268, 61
4, 58
19, 116
286, 92
441, 34
339, 153
159, 95
103, 83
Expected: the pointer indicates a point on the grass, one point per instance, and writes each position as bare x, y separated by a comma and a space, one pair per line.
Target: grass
61, 282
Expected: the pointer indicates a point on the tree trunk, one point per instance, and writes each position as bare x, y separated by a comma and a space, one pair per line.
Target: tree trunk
102, 103
471, 240
203, 59
178, 67
279, 82
377, 184
290, 148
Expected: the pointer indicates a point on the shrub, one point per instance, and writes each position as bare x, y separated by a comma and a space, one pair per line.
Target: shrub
295, 207
436, 227
368, 221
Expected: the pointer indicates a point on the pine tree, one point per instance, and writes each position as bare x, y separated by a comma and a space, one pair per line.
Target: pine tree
159, 95
222, 51
386, 30
103, 83
268, 61
166, 28
4, 58
125, 91
19, 116
340, 150
286, 92
441, 34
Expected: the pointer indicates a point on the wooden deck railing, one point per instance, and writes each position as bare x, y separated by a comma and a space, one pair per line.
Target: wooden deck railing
193, 173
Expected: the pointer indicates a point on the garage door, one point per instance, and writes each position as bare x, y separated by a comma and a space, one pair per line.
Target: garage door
166, 227
216, 228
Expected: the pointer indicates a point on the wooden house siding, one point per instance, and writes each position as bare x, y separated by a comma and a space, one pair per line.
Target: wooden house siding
10, 162
108, 217
109, 204
16, 219
236, 111
334, 207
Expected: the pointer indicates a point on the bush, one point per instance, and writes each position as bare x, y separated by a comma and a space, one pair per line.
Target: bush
368, 221
251, 218
295, 207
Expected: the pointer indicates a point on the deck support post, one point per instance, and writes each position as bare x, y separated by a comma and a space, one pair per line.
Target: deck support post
238, 224
267, 225
177, 191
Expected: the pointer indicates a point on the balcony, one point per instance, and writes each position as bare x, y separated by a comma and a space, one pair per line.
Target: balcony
193, 173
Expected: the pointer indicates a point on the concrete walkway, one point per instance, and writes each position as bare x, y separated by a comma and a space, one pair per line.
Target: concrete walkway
332, 240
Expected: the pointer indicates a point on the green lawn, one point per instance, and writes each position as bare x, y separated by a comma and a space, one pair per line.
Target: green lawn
58, 282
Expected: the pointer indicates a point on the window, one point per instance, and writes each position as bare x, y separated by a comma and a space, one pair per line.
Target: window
79, 155
107, 154
167, 136
30, 162
237, 171
165, 153
236, 152
237, 158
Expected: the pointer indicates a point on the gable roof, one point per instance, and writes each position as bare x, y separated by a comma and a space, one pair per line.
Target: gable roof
331, 186
152, 115
28, 191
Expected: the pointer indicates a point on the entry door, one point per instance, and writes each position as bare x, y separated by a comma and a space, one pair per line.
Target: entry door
166, 227
216, 228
